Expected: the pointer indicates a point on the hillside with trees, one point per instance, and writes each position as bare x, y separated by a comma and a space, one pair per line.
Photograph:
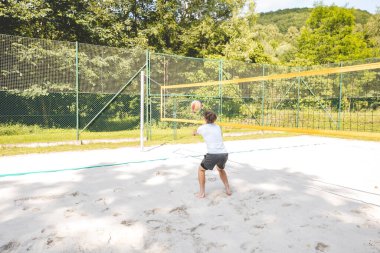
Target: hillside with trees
297, 17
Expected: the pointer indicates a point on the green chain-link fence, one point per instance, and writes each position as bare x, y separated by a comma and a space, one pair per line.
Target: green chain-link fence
69, 91
37, 82
73, 90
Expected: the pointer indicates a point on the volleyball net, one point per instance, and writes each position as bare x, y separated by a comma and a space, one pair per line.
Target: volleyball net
337, 99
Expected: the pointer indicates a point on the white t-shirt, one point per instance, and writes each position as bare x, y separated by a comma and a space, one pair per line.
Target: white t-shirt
212, 134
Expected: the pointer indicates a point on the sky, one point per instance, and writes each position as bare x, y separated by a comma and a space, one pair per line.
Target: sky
273, 5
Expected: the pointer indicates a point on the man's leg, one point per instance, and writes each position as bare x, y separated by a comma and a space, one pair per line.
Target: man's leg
223, 177
202, 182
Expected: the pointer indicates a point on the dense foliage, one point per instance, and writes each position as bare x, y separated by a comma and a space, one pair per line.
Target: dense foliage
329, 36
213, 28
297, 17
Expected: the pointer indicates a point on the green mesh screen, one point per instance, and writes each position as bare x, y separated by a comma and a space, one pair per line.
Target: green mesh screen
109, 90
37, 82
38, 89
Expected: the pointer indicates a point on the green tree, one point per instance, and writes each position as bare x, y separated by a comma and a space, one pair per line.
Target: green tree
208, 29
372, 29
241, 39
23, 17
285, 18
91, 21
329, 36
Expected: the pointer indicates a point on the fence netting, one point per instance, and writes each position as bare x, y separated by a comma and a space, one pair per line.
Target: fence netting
68, 88
109, 89
37, 82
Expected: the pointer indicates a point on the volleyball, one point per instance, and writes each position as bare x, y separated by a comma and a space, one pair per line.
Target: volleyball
196, 106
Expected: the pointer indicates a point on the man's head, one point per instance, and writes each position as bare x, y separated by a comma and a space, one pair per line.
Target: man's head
210, 117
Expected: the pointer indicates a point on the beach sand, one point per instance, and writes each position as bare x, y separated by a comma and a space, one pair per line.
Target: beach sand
290, 194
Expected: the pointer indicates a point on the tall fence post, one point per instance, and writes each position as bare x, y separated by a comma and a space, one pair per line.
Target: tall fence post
262, 97
298, 100
220, 88
142, 111
77, 86
340, 98
148, 99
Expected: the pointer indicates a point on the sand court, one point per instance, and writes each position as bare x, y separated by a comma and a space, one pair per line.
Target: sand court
290, 194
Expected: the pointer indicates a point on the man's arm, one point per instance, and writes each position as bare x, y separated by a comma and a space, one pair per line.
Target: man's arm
197, 131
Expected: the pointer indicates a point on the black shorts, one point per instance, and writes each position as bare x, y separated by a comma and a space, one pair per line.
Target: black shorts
210, 160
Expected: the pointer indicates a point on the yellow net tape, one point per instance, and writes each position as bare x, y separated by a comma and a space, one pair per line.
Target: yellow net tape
324, 71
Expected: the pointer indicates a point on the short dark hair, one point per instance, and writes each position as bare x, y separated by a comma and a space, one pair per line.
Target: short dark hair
210, 117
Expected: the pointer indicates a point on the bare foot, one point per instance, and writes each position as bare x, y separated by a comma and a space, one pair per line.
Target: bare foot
228, 191
200, 195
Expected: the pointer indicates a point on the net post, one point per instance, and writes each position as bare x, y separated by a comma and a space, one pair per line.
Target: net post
148, 100
149, 96
146, 95
340, 98
142, 111
77, 87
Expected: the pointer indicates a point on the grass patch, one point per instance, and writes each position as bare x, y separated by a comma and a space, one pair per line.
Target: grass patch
184, 137
63, 148
18, 129
27, 134
18, 134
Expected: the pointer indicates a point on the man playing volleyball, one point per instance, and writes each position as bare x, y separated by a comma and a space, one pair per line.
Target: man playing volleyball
216, 152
